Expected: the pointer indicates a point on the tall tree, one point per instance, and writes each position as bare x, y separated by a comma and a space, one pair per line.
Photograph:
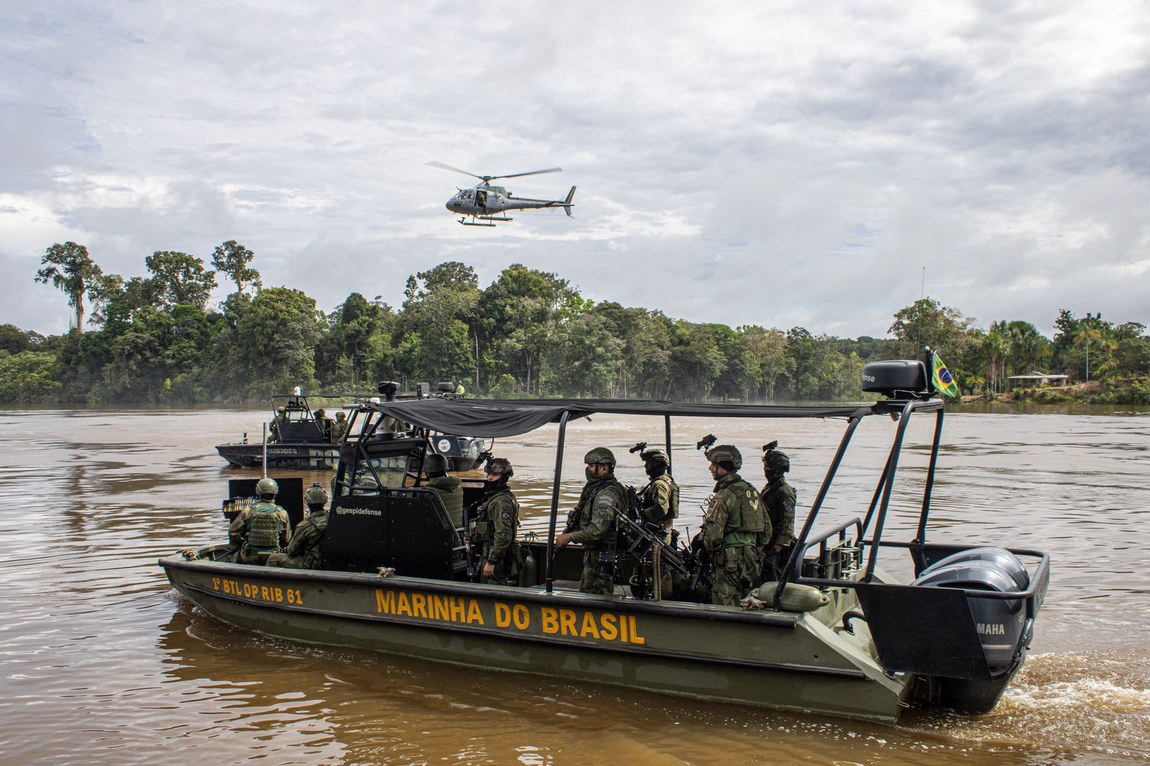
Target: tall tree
181, 279
69, 268
927, 323
234, 260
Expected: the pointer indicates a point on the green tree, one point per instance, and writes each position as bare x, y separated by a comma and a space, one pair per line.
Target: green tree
518, 316
436, 323
234, 260
180, 279
767, 360
926, 323
69, 268
28, 377
276, 339
13, 340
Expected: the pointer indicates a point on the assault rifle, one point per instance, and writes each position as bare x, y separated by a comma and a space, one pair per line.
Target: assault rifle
641, 541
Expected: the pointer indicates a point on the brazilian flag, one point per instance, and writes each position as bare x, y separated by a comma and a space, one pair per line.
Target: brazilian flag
943, 380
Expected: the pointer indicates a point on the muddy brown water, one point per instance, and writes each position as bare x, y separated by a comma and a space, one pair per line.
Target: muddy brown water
101, 663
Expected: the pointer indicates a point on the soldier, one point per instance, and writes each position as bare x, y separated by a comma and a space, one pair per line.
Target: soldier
339, 428
263, 529
734, 528
324, 422
593, 522
448, 487
779, 501
495, 524
659, 500
303, 550
274, 426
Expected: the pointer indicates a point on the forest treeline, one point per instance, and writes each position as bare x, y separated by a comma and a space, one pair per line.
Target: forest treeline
157, 339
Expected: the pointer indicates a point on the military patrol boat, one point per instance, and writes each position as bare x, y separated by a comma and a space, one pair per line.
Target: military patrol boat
298, 439
303, 438
838, 635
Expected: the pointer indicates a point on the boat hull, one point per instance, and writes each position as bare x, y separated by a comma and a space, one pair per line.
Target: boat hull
299, 455
781, 660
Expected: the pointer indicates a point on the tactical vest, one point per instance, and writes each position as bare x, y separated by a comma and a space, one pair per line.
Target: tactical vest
650, 494
265, 529
748, 513
483, 526
587, 501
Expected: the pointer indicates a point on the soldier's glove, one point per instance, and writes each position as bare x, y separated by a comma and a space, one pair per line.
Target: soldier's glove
189, 554
386, 572
750, 602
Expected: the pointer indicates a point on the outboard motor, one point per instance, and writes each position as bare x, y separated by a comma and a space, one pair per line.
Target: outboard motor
998, 622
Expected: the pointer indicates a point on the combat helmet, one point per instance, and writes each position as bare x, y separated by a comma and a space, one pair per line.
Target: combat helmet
654, 456
501, 466
776, 462
725, 453
267, 487
435, 463
315, 495
599, 455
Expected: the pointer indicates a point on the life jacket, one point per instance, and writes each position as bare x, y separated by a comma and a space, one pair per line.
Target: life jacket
265, 529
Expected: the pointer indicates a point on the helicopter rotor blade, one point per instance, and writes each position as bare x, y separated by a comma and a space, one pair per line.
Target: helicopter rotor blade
528, 173
444, 166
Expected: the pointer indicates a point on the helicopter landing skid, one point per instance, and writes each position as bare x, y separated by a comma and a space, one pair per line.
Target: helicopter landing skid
482, 220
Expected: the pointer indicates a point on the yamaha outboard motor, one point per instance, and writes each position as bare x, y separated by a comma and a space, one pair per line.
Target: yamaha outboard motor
998, 622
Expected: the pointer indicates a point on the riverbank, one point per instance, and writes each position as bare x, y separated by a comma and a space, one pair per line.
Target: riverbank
1110, 391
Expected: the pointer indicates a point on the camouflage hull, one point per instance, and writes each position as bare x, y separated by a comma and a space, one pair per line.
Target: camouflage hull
793, 661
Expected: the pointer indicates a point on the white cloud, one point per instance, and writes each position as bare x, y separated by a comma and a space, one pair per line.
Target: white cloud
779, 164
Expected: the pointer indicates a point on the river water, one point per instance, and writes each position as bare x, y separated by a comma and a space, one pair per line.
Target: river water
102, 663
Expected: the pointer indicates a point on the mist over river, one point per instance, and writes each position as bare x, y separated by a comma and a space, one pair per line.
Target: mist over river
101, 663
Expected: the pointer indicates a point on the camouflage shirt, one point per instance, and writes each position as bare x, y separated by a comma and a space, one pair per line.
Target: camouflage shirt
735, 516
595, 513
779, 500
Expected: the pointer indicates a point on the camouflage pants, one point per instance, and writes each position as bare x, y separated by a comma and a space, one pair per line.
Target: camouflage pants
249, 555
736, 573
594, 579
284, 561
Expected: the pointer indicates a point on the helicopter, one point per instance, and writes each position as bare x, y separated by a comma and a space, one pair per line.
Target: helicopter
487, 204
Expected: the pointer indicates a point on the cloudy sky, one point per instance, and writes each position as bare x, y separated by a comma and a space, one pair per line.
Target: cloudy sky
778, 163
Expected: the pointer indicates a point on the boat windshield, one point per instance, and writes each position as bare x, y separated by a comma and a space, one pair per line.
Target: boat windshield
380, 471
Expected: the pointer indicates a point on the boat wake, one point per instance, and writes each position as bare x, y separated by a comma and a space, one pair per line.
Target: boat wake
1068, 703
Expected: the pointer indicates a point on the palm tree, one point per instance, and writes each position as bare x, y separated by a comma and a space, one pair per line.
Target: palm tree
1087, 331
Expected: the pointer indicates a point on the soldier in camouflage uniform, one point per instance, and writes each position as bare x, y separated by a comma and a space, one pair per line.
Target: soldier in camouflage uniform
303, 550
448, 487
263, 529
779, 500
593, 522
659, 500
734, 529
339, 429
495, 525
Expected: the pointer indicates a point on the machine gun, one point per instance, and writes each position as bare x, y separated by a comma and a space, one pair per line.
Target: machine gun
642, 541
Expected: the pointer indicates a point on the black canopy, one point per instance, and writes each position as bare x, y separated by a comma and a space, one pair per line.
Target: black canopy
497, 418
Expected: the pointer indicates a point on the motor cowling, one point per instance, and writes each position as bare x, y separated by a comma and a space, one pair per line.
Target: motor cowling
998, 622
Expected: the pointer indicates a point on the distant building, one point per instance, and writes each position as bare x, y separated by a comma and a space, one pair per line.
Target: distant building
1035, 380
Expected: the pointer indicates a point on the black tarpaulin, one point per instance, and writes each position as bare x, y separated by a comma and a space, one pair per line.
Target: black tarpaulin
495, 418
